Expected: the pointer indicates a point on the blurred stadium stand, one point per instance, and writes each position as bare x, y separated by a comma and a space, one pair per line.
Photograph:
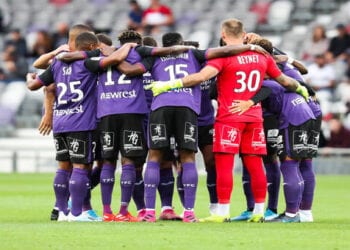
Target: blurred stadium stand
286, 23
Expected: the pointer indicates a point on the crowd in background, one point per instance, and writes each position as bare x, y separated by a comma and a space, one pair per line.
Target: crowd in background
327, 58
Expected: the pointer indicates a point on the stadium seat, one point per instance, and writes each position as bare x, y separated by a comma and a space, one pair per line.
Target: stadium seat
278, 17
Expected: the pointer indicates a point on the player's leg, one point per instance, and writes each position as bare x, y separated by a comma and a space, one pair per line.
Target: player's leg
166, 187
61, 180
81, 155
272, 168
252, 148
273, 176
255, 168
307, 172
248, 194
133, 150
205, 142
109, 147
292, 147
308, 175
158, 139
139, 190
94, 176
186, 137
227, 138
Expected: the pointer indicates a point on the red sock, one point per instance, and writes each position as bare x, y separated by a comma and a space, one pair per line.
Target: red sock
224, 176
254, 165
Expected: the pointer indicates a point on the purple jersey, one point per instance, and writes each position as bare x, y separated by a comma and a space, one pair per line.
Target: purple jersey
119, 94
172, 67
290, 107
75, 108
315, 107
292, 72
206, 116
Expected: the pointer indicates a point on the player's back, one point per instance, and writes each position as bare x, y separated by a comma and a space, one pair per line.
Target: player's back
240, 78
75, 108
120, 94
289, 106
172, 67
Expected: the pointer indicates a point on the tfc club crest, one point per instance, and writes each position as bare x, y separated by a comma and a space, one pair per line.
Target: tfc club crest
190, 132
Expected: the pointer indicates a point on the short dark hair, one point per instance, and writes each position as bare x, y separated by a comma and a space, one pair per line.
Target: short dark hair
130, 36
104, 38
264, 43
149, 41
172, 38
85, 40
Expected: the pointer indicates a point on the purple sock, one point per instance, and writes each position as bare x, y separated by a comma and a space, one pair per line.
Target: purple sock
151, 180
211, 185
95, 176
190, 182
247, 189
292, 185
127, 181
139, 190
180, 188
87, 200
308, 175
61, 188
273, 176
78, 185
107, 185
166, 187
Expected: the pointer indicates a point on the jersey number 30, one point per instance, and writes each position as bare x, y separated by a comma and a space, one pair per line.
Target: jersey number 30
250, 82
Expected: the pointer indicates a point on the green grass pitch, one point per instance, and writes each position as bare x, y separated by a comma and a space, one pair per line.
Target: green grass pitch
27, 199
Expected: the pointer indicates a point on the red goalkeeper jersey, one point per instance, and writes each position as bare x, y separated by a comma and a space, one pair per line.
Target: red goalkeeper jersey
240, 78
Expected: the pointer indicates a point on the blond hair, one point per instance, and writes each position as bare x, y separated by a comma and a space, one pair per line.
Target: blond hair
233, 27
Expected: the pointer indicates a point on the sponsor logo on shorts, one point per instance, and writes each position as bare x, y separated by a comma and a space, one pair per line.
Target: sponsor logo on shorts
258, 139
60, 145
300, 140
107, 141
157, 133
132, 140
77, 148
229, 136
190, 132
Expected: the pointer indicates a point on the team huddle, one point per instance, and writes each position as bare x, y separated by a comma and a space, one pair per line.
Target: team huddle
153, 106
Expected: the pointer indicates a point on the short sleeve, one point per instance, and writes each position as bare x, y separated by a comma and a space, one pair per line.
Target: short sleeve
216, 63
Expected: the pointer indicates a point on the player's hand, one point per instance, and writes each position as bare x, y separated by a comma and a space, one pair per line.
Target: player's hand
107, 50
240, 106
63, 47
301, 90
159, 87
45, 126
